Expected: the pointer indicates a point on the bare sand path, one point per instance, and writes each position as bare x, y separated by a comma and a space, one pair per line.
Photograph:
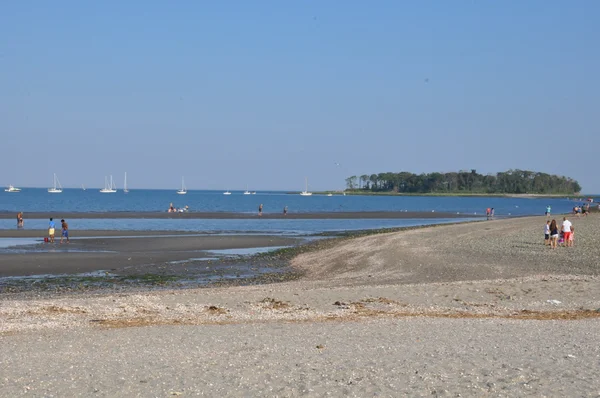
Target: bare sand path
476, 309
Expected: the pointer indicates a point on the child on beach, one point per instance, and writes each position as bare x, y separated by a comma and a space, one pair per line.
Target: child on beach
572, 237
51, 226
65, 231
547, 233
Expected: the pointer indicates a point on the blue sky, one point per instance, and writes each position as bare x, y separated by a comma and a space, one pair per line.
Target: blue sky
264, 93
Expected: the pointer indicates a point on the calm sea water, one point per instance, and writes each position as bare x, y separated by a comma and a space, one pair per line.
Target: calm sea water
254, 226
77, 200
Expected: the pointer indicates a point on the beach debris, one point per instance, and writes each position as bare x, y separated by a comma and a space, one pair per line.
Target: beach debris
339, 303
216, 310
274, 304
320, 346
555, 302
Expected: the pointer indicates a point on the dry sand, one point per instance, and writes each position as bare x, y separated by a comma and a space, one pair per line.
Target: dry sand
481, 309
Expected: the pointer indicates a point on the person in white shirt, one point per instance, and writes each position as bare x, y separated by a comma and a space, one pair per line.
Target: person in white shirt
566, 229
547, 233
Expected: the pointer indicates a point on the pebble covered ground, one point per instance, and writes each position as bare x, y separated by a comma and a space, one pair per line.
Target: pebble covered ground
481, 309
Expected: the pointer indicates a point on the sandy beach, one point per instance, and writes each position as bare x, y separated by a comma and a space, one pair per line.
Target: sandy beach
478, 309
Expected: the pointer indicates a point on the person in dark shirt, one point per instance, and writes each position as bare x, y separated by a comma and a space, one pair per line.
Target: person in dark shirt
65, 231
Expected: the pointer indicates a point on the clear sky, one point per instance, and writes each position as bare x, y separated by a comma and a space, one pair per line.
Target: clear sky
264, 93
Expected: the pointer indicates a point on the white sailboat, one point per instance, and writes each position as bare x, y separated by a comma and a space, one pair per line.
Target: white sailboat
305, 192
183, 190
246, 192
57, 188
108, 187
125, 184
82, 187
12, 189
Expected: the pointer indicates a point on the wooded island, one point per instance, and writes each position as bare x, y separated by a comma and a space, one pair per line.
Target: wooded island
507, 182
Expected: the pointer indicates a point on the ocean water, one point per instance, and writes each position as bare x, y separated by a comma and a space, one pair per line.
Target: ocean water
215, 226
78, 200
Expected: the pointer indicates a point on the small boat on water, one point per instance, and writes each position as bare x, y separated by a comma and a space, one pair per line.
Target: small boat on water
109, 187
82, 187
125, 189
246, 192
12, 189
227, 192
329, 194
305, 192
183, 190
57, 188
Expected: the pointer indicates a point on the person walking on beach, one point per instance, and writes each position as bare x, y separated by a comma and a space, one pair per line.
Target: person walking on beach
566, 229
65, 231
260, 209
547, 233
553, 234
572, 236
51, 227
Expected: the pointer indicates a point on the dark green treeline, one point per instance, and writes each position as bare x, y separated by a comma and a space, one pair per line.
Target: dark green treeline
508, 182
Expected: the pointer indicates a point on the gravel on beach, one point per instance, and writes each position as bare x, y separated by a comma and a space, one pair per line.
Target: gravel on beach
473, 309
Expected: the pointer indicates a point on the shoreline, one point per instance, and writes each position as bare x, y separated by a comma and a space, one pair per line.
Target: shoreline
228, 216
481, 308
454, 194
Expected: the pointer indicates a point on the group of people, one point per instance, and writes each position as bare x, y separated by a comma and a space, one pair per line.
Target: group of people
489, 212
260, 210
64, 231
553, 236
173, 209
581, 210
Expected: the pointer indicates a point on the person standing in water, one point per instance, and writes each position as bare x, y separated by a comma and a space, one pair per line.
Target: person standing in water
51, 227
285, 211
65, 231
260, 208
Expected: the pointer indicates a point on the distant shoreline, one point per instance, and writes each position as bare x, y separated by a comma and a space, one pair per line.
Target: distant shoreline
238, 216
452, 194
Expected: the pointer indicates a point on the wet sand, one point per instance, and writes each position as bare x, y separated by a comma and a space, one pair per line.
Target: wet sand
142, 254
225, 216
